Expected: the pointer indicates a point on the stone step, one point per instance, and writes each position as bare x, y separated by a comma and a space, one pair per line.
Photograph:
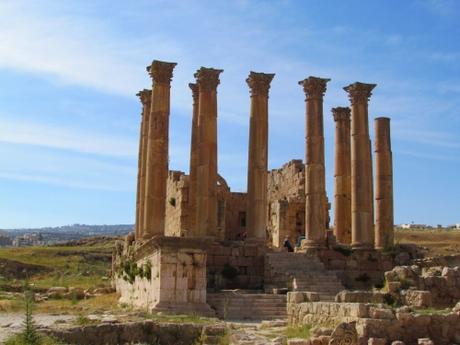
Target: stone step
246, 306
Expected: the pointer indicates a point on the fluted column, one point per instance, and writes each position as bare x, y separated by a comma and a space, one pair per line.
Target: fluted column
362, 210
257, 204
194, 155
145, 97
315, 187
342, 175
157, 150
207, 80
384, 221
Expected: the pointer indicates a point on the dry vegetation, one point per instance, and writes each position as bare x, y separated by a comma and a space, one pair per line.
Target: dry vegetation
436, 242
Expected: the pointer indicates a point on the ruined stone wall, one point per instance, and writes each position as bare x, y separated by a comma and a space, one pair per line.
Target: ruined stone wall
177, 221
376, 320
235, 216
286, 203
288, 182
435, 286
235, 265
285, 219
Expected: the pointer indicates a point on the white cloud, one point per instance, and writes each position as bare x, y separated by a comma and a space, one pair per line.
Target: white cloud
74, 49
66, 138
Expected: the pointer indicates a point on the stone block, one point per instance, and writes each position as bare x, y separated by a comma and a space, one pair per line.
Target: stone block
425, 341
398, 342
394, 287
418, 298
381, 313
296, 297
298, 341
377, 341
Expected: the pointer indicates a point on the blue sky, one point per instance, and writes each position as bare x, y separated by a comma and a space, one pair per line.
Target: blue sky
69, 72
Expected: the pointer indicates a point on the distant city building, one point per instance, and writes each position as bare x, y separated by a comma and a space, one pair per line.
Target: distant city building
414, 226
5, 240
31, 239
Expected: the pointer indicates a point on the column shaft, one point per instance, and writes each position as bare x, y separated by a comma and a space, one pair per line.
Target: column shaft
257, 207
384, 222
362, 209
315, 187
342, 176
157, 151
194, 155
145, 97
207, 80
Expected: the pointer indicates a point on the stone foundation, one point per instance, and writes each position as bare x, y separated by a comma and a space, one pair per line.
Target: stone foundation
378, 321
235, 265
164, 274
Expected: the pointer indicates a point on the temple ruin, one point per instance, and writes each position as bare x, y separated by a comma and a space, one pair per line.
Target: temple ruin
195, 239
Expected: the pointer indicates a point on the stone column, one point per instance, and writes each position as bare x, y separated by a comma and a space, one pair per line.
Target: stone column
315, 187
194, 155
257, 203
384, 222
207, 80
157, 149
342, 175
362, 209
145, 97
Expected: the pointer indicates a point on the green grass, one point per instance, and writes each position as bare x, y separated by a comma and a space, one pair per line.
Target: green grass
432, 311
181, 318
76, 266
298, 332
19, 340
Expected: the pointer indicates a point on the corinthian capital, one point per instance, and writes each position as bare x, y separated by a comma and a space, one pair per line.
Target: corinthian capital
145, 96
161, 72
195, 91
359, 92
314, 87
259, 83
208, 78
341, 113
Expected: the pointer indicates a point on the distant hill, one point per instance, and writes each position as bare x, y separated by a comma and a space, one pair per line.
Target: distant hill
59, 234
77, 228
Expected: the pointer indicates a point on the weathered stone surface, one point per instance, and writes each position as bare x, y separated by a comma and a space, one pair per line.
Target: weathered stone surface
298, 341
425, 341
360, 296
257, 211
344, 334
381, 313
315, 191
384, 220
342, 175
362, 209
129, 333
377, 341
417, 298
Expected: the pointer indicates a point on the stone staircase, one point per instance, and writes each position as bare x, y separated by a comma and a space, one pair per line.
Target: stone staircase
242, 305
300, 272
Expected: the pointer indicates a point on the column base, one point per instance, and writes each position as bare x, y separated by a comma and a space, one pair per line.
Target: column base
312, 244
362, 246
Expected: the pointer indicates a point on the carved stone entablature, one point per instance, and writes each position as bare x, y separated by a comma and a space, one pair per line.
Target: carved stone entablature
359, 92
161, 72
145, 96
259, 83
195, 91
314, 87
208, 78
341, 113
